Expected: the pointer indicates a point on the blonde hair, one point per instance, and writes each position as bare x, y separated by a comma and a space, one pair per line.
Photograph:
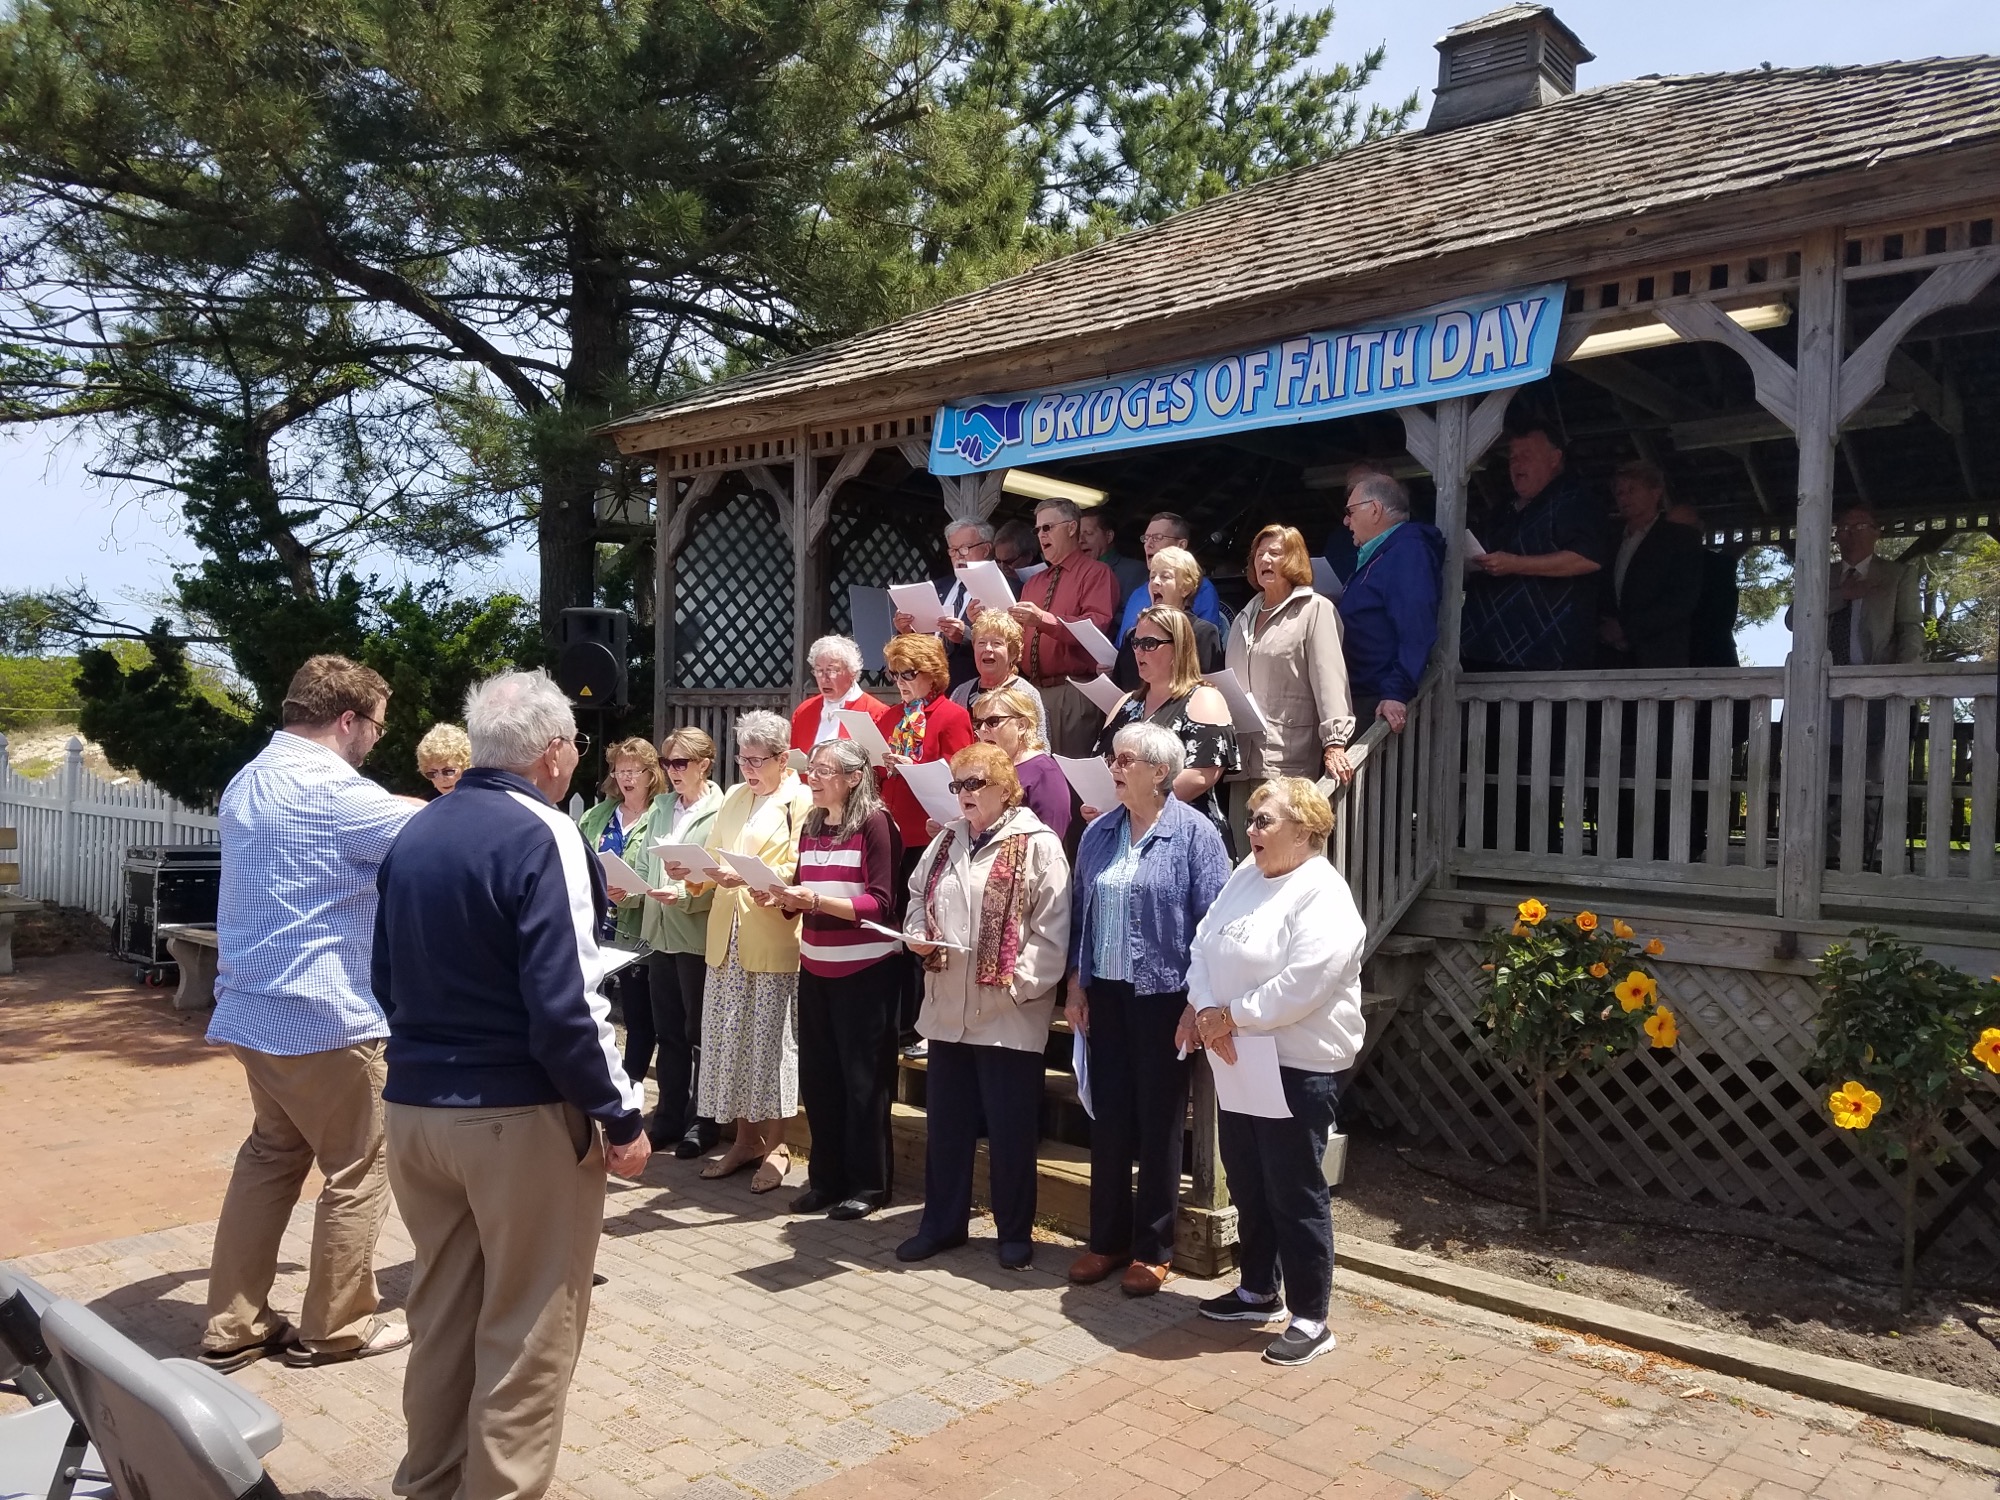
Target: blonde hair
1294, 565
999, 622
688, 741
1180, 630
1011, 700
1181, 564
443, 745
1304, 801
919, 653
643, 752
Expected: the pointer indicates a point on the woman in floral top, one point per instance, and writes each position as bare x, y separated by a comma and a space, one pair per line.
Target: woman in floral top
1172, 695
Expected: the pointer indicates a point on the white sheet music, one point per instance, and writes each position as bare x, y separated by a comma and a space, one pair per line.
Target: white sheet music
1091, 778
920, 602
985, 582
1243, 710
1102, 692
931, 780
1092, 640
1250, 1085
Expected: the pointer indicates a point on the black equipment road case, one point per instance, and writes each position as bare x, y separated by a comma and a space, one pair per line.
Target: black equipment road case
164, 883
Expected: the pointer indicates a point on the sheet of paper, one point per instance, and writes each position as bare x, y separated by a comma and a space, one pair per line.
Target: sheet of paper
1472, 547
930, 781
869, 609
1325, 580
1243, 710
1102, 691
920, 602
1092, 640
617, 958
622, 875
903, 938
689, 856
985, 582
1024, 574
861, 729
1079, 1061
1250, 1085
758, 875
1091, 778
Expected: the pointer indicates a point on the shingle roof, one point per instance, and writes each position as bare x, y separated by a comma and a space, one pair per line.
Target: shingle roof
1631, 148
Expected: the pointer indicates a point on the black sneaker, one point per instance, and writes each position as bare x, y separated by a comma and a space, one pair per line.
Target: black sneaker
851, 1208
1231, 1308
1295, 1348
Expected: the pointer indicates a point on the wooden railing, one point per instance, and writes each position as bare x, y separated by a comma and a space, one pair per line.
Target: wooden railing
1669, 780
1379, 842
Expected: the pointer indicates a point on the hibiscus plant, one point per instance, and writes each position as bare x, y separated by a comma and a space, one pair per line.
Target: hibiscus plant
1563, 995
1905, 1038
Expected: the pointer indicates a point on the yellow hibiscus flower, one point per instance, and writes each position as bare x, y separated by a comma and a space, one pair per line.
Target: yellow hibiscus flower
1655, 948
1598, 971
1635, 990
1987, 1048
1662, 1028
1531, 911
1586, 921
1620, 928
1853, 1105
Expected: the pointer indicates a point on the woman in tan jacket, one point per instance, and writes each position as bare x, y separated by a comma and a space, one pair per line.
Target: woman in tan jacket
989, 916
1285, 649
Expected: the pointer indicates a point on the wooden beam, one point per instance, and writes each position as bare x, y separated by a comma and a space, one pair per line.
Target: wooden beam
799, 527
852, 462
766, 481
1934, 398
1621, 377
1777, 384
1734, 429
674, 519
1863, 371
664, 488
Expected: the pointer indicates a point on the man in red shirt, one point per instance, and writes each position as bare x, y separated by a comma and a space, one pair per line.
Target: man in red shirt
1075, 586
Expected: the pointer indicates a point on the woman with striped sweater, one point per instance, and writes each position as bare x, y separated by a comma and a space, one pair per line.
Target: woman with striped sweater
849, 856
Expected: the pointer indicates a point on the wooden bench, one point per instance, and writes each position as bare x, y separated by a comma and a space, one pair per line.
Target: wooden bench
194, 948
10, 906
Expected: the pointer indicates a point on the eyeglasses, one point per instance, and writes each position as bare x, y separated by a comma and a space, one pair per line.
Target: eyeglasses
1045, 527
754, 762
442, 773
1260, 821
967, 550
581, 741
993, 720
830, 669
380, 727
1124, 760
820, 773
1149, 642
909, 676
966, 784
1353, 508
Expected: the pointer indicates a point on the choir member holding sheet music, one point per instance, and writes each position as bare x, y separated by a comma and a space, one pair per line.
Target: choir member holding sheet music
1277, 962
849, 862
989, 916
749, 1037
618, 825
1285, 649
1075, 587
836, 664
1172, 695
1006, 718
996, 657
966, 541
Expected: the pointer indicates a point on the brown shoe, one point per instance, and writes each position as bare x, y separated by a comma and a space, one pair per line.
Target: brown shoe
1091, 1268
1142, 1279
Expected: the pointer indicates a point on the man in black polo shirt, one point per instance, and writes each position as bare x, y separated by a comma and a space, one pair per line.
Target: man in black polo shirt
1531, 601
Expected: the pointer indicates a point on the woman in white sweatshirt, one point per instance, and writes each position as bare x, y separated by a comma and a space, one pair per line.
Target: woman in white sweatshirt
1279, 954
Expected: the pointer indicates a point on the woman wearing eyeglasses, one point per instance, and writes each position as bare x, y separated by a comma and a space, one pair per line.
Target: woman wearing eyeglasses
1174, 578
1279, 955
674, 925
618, 825
1172, 695
849, 857
989, 917
1006, 718
749, 1029
443, 755
1145, 874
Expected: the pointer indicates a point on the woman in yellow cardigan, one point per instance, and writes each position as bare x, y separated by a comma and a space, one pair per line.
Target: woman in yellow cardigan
749, 1022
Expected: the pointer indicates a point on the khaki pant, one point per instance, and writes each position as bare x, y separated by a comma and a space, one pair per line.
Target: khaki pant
505, 1207
323, 1107
1074, 721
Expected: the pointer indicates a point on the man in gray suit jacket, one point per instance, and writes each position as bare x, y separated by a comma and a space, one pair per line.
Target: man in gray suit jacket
1874, 615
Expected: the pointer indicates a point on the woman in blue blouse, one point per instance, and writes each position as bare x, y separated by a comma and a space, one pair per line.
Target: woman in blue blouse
1146, 871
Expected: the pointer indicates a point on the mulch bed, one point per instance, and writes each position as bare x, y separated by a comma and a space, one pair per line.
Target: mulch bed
59, 929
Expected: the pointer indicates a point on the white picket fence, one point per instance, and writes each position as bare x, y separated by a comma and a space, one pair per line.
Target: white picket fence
75, 828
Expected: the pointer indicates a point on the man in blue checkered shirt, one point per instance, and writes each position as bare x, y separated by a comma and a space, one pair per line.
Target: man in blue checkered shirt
303, 834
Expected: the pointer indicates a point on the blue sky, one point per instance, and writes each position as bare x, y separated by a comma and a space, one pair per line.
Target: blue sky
62, 527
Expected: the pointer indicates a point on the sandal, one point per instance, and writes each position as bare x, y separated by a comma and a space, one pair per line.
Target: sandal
726, 1166
226, 1360
770, 1175
382, 1337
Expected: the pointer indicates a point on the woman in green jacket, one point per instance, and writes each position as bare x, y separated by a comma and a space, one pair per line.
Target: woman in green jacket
674, 925
619, 825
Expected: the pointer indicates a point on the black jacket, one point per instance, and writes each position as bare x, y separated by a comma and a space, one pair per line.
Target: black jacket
1657, 607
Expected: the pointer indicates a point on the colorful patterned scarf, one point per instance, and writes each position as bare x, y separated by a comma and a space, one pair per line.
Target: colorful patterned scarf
1001, 910
908, 736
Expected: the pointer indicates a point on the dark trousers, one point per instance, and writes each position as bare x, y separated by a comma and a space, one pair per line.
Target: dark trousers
965, 1085
847, 1073
1138, 1088
1277, 1180
631, 987
908, 973
677, 981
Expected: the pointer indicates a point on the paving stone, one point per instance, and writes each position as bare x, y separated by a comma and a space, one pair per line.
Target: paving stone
913, 1415
781, 1471
850, 1442
972, 1389
1032, 1365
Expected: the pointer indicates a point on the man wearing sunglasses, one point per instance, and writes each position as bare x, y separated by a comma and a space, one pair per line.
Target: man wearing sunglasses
1075, 586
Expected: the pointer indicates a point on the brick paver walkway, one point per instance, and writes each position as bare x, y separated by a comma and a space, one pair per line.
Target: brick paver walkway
739, 1353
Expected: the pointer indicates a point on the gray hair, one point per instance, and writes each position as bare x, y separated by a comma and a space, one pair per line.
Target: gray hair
837, 646
1069, 510
1154, 746
981, 529
1384, 491
511, 719
763, 730
849, 757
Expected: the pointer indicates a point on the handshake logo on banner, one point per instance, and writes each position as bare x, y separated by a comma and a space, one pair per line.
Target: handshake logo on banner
976, 433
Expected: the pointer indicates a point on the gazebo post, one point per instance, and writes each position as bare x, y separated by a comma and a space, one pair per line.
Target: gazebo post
672, 516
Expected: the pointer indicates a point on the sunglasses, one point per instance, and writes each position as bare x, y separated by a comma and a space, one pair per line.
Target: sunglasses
993, 719
1148, 642
910, 676
679, 763
442, 773
966, 784
1260, 821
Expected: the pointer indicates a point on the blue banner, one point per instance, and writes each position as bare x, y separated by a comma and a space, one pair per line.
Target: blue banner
1457, 349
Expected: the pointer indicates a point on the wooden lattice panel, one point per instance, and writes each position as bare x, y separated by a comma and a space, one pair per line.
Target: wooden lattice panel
1726, 1116
733, 599
1894, 249
870, 545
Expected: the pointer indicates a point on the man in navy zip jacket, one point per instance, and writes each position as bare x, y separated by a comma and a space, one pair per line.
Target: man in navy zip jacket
502, 1071
1389, 613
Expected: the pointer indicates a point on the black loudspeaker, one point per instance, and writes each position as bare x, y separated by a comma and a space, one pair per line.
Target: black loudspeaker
590, 665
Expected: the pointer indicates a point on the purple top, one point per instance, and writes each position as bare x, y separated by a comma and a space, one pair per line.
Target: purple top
1046, 791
